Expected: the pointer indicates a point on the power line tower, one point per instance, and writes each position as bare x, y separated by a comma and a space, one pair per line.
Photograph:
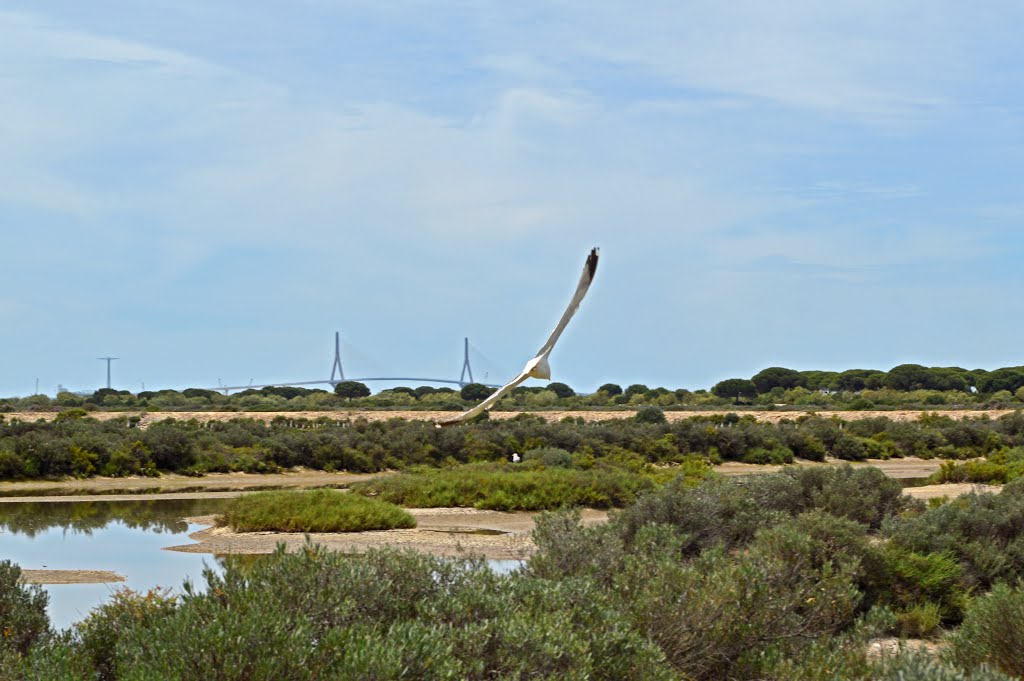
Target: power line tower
336, 367
108, 360
466, 369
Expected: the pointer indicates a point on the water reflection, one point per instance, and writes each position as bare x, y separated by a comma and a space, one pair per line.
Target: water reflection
126, 537
86, 517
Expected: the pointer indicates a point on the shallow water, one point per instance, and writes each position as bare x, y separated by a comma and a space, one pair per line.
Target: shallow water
126, 537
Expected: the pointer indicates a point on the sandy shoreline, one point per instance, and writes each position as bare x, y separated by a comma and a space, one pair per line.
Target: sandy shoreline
70, 577
167, 483
440, 532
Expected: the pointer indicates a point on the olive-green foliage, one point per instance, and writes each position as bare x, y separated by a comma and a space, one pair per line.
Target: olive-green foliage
730, 512
984, 532
983, 472
82, 446
920, 620
549, 457
650, 414
715, 613
509, 487
23, 617
315, 614
844, 659
321, 510
910, 666
992, 631
127, 610
922, 582
779, 576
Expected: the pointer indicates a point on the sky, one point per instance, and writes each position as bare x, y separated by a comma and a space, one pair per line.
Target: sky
208, 190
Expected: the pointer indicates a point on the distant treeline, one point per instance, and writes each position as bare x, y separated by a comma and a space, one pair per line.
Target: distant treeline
904, 386
78, 446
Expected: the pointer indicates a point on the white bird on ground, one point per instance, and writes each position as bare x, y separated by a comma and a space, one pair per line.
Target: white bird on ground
538, 367
516, 458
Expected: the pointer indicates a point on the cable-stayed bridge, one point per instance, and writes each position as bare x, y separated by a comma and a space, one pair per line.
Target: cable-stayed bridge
338, 375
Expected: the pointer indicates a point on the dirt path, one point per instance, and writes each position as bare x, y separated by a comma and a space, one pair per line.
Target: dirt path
440, 532
906, 468
148, 418
171, 482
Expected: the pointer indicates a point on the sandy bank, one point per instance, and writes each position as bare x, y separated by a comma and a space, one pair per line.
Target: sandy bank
70, 577
440, 532
179, 484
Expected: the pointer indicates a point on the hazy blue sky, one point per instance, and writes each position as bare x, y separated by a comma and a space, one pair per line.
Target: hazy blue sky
209, 189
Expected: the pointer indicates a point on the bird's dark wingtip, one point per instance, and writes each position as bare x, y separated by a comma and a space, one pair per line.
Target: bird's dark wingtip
592, 262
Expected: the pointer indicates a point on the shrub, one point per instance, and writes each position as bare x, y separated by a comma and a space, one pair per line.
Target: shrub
23, 619
312, 511
865, 495
716, 616
315, 614
920, 620
551, 457
992, 632
650, 414
100, 632
507, 487
925, 579
983, 472
983, 532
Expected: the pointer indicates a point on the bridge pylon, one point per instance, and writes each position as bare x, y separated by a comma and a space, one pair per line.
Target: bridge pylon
466, 369
336, 367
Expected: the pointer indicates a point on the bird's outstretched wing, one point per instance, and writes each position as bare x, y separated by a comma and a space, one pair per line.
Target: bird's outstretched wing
589, 268
493, 399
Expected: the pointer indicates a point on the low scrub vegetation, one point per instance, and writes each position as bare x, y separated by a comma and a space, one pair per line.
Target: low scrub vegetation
786, 576
312, 511
527, 486
83, 447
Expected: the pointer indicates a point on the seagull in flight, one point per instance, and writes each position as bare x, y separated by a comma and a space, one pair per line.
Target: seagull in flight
538, 367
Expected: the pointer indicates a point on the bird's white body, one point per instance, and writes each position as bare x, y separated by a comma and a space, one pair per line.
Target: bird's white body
538, 367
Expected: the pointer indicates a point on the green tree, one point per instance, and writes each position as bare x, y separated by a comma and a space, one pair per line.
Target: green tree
561, 389
735, 388
474, 392
778, 377
610, 389
636, 389
351, 389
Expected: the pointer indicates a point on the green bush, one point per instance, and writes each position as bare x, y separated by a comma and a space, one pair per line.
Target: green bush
983, 532
315, 614
650, 414
920, 620
100, 632
983, 472
23, 619
312, 511
714, 617
992, 632
551, 457
508, 487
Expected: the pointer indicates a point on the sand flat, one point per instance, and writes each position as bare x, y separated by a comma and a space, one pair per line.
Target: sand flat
70, 577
